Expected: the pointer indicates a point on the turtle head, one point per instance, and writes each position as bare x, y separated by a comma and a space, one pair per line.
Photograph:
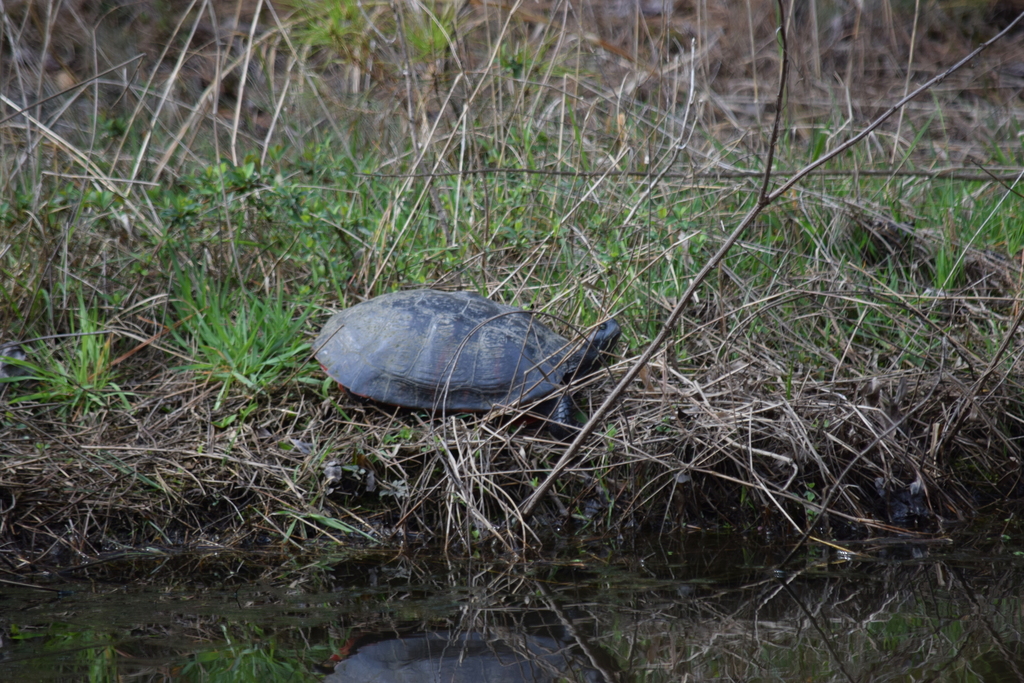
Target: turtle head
600, 342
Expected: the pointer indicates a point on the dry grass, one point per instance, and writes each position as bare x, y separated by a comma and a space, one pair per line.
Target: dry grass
841, 394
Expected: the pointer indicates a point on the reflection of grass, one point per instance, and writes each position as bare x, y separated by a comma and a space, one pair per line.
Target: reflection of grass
245, 654
83, 381
259, 660
238, 337
95, 652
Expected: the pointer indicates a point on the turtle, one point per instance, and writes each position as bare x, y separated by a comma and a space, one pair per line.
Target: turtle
458, 352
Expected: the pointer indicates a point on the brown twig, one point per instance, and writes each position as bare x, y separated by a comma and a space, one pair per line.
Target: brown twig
764, 199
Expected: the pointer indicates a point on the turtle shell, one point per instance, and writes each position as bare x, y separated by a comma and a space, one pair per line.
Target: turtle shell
453, 351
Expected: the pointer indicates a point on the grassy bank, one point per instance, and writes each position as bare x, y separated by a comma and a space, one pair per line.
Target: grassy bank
176, 229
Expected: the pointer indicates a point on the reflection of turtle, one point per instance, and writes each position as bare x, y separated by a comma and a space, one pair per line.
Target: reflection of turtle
465, 657
457, 351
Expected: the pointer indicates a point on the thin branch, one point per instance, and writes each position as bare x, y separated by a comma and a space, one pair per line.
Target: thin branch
764, 200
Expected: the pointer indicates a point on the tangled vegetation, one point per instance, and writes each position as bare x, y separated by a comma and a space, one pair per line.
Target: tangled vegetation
176, 223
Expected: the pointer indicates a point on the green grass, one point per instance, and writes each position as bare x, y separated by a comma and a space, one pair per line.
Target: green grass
239, 338
80, 381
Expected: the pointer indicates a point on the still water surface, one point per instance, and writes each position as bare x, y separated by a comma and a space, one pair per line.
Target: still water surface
701, 608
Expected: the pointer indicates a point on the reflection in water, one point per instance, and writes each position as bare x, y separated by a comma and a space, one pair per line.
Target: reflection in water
706, 608
447, 657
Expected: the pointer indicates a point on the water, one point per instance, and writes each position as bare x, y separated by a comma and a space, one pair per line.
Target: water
699, 608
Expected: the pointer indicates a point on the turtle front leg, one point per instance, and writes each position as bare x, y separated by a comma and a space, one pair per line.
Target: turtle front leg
561, 424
